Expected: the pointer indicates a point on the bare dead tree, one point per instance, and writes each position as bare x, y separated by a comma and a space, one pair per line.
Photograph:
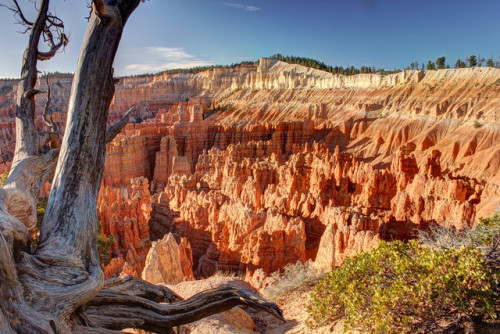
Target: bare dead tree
43, 28
60, 288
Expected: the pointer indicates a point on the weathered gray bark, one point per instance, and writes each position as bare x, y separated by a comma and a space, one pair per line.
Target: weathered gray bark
59, 288
26, 136
118, 310
27, 139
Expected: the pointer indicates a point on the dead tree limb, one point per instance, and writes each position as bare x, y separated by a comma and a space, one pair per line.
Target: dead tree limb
45, 115
26, 179
54, 47
65, 273
16, 9
59, 288
140, 288
44, 26
114, 130
117, 310
26, 136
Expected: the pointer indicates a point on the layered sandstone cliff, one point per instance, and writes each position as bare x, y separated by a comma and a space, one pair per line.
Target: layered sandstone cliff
260, 166
246, 207
422, 107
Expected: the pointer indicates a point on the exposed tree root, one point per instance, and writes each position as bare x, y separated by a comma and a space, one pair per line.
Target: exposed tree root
137, 287
60, 288
112, 309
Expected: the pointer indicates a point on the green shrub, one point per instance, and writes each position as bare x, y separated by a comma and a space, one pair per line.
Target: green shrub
104, 244
486, 237
3, 178
488, 228
404, 288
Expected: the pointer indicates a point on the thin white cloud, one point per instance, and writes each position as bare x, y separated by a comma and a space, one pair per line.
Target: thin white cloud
159, 58
240, 6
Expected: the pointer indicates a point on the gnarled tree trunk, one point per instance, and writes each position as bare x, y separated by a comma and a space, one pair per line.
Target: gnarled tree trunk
60, 288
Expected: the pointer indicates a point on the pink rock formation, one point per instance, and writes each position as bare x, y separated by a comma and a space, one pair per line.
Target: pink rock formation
246, 207
186, 259
346, 234
269, 164
124, 213
167, 262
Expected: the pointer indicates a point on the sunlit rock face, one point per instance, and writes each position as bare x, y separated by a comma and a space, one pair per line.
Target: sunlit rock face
168, 262
244, 209
262, 165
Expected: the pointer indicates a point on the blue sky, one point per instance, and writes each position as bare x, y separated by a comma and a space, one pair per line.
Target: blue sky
164, 34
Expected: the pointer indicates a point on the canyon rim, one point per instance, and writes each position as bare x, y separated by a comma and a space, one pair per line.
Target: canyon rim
202, 188
257, 166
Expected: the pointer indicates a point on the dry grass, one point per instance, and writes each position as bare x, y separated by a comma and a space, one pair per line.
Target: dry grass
293, 277
229, 274
441, 237
485, 237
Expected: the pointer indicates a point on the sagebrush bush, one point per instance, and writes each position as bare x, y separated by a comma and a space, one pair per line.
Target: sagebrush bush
404, 288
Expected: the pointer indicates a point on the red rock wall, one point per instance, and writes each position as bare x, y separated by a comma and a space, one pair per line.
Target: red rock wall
124, 213
271, 164
247, 207
260, 193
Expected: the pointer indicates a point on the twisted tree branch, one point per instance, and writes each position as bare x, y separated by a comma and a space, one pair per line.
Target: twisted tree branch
137, 287
63, 41
59, 288
26, 179
118, 310
27, 141
17, 11
32, 93
55, 21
